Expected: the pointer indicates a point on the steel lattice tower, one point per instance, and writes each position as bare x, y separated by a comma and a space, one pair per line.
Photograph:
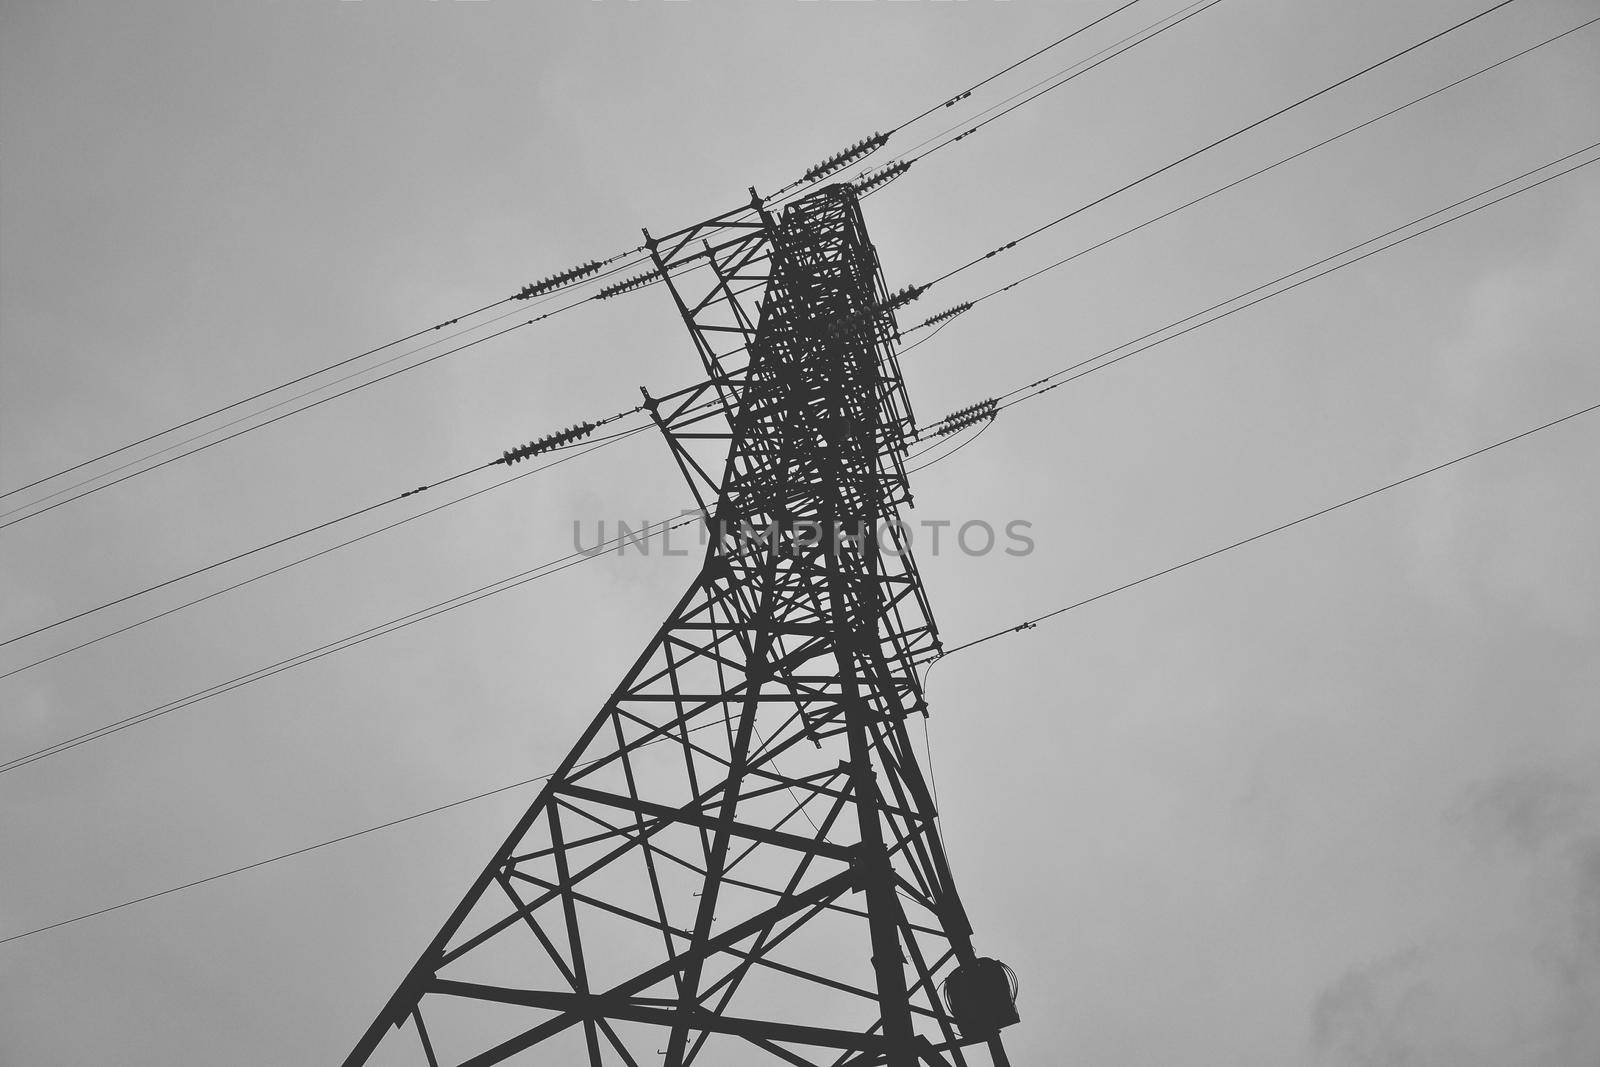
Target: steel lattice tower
738, 861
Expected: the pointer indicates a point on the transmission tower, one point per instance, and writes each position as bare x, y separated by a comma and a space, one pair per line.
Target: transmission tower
738, 862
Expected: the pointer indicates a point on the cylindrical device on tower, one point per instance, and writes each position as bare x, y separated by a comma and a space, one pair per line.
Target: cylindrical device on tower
982, 996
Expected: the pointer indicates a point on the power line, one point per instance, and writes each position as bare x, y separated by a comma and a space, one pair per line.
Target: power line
574, 277
274, 859
321, 844
503, 461
1030, 623
361, 637
246, 417
963, 444
1027, 624
1078, 69
545, 298
549, 286
1091, 364
1037, 388
1180, 16
962, 647
246, 400
295, 411
856, 155
592, 447
528, 291
239, 555
1257, 173
1222, 140
872, 181
601, 295
1033, 389
1007, 70
304, 378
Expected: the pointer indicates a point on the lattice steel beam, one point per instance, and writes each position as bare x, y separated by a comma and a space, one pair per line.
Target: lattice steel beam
739, 861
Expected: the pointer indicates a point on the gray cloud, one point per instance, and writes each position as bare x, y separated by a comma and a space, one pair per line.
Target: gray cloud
1520, 993
200, 198
1369, 1017
1527, 809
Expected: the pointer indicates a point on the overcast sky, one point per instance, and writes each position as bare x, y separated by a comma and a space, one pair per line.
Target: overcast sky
1332, 799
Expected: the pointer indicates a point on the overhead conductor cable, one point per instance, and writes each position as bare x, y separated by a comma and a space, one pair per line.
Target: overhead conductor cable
548, 443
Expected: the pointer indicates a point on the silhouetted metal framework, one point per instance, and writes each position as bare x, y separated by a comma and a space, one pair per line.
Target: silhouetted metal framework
738, 861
